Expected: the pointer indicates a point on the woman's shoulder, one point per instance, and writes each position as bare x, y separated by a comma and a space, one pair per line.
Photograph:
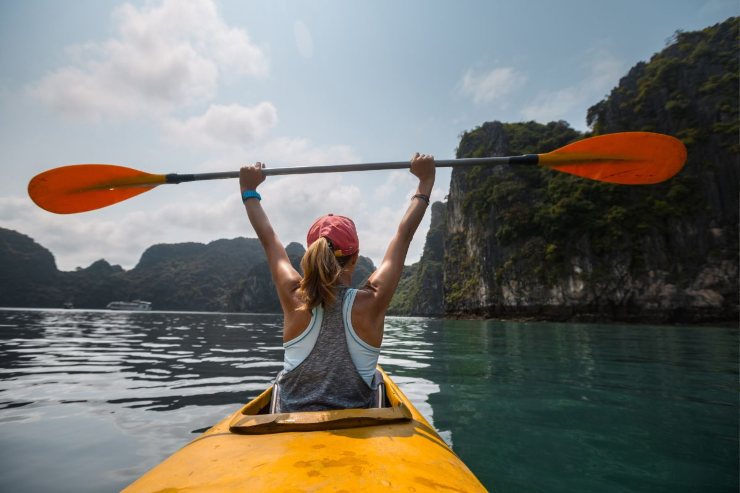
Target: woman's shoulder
366, 305
366, 320
364, 295
295, 323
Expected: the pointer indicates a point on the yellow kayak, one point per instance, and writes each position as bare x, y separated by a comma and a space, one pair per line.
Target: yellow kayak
391, 448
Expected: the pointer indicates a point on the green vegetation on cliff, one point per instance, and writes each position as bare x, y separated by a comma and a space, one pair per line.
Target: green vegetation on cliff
691, 86
525, 241
420, 291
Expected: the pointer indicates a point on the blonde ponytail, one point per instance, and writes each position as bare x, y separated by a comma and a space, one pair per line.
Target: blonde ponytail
321, 271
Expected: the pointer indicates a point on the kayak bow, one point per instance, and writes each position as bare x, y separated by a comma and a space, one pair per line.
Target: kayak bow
392, 448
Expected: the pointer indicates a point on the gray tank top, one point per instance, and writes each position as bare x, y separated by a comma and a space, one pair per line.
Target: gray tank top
327, 378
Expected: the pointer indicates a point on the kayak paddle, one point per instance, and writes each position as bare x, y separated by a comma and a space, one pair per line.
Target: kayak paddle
628, 158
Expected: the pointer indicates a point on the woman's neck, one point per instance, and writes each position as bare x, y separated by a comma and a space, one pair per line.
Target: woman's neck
345, 278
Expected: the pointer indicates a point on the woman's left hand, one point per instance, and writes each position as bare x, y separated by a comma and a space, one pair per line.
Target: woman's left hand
251, 176
423, 167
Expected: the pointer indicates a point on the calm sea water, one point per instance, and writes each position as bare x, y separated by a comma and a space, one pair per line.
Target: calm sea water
89, 400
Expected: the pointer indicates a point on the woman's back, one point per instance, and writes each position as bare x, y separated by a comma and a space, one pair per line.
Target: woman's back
328, 376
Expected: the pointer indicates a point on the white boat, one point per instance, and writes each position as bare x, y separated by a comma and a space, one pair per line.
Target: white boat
136, 305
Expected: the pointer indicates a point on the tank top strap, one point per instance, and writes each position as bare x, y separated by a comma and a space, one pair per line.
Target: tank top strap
363, 355
298, 348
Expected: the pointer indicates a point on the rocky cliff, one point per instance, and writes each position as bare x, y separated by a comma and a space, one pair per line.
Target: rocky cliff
527, 242
421, 291
28, 272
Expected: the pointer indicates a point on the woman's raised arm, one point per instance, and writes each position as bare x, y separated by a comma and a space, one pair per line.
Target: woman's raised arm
285, 277
383, 282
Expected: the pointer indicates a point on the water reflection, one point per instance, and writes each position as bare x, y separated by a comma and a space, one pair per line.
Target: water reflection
147, 380
590, 407
405, 352
139, 382
95, 398
158, 361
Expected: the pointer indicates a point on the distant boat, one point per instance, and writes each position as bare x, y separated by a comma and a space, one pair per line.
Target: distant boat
69, 305
136, 305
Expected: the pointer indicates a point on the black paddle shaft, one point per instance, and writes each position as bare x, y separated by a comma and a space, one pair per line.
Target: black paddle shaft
341, 168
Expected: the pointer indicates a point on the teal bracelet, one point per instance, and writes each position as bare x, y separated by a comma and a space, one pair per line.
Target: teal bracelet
250, 194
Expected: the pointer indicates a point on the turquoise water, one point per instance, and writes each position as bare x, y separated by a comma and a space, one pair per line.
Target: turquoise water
89, 400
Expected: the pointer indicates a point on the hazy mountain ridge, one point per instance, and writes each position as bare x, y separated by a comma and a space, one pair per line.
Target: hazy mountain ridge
223, 275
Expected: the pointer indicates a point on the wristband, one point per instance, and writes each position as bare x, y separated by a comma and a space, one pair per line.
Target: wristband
423, 197
250, 194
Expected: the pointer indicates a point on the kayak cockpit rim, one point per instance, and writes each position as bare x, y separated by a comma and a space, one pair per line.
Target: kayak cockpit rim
251, 420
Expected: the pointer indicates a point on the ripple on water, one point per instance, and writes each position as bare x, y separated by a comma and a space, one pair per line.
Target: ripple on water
614, 406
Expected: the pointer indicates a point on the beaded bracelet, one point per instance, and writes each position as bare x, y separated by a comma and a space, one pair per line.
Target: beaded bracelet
423, 197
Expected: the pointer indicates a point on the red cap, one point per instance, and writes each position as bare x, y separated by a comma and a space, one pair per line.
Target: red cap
339, 230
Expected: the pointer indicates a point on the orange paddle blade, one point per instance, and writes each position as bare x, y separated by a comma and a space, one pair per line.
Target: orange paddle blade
86, 187
627, 158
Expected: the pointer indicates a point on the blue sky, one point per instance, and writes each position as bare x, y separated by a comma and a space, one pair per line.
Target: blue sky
192, 86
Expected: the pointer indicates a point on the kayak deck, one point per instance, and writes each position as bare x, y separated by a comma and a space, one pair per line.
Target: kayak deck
392, 449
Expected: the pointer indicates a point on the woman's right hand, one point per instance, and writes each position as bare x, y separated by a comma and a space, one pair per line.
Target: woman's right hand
251, 176
422, 166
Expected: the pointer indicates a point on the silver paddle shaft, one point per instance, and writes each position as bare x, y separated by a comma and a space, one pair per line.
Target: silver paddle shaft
342, 168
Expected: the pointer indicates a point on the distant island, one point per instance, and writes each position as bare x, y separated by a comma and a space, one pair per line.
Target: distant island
510, 241
224, 275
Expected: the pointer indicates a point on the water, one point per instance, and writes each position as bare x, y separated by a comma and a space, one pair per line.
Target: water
89, 400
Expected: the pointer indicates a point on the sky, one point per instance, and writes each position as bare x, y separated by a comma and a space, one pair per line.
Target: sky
192, 86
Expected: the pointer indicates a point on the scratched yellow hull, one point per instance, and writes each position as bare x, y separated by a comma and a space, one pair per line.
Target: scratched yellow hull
403, 454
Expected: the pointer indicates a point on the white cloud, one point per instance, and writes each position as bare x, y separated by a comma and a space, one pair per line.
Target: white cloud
224, 125
382, 221
395, 180
215, 218
163, 57
294, 202
303, 39
492, 86
241, 133
75, 240
287, 151
570, 103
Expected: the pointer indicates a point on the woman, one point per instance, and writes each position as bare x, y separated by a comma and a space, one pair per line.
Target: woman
332, 334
